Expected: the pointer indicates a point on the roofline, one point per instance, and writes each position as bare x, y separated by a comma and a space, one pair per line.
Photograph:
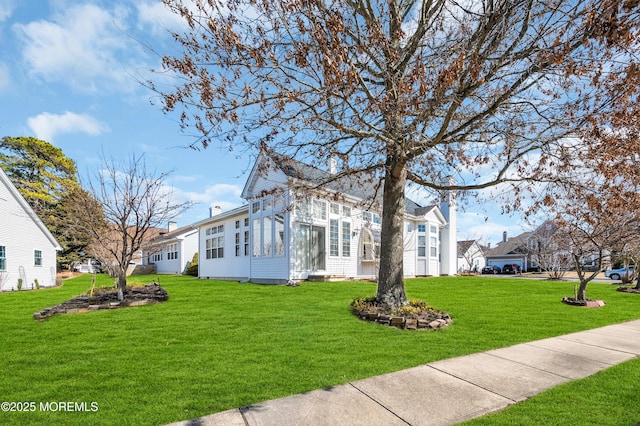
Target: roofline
32, 214
230, 213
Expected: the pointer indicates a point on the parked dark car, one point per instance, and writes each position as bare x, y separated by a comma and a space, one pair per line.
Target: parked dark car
511, 268
493, 269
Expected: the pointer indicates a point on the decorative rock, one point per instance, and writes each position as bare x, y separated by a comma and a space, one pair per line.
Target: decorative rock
372, 316
411, 324
396, 321
423, 323
435, 324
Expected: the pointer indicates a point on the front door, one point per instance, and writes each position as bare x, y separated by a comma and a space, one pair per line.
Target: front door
310, 248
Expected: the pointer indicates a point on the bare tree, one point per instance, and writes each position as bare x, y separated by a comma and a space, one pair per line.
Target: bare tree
429, 92
593, 224
135, 200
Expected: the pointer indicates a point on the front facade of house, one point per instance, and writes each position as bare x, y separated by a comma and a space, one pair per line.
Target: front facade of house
27, 248
287, 233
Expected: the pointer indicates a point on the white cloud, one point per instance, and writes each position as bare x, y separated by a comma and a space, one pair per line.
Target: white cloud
226, 196
83, 46
6, 9
46, 125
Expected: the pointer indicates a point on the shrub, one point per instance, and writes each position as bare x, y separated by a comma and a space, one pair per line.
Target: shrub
19, 284
192, 269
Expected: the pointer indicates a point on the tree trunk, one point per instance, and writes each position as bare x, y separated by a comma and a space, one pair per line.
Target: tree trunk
582, 291
122, 283
637, 287
391, 276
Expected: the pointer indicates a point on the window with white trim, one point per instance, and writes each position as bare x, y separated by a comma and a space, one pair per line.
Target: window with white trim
279, 234
172, 251
3, 258
334, 237
346, 239
37, 258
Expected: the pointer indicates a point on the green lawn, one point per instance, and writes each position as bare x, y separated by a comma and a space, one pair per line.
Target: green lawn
219, 345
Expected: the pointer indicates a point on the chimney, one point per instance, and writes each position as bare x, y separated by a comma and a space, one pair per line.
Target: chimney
504, 237
214, 211
333, 165
172, 226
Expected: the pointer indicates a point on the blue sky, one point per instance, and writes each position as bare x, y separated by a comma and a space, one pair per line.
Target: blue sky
69, 72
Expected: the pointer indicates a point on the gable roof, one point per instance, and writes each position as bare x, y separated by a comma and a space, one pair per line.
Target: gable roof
310, 176
464, 246
27, 208
513, 246
159, 235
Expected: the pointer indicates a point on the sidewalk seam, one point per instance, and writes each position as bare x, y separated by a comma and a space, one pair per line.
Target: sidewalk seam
377, 402
513, 401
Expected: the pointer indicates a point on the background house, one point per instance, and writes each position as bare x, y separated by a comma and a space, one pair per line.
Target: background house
511, 251
27, 248
471, 257
171, 250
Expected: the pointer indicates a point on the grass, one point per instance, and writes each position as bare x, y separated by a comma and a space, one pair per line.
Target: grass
219, 345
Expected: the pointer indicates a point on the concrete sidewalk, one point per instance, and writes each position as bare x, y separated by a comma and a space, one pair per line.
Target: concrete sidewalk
448, 391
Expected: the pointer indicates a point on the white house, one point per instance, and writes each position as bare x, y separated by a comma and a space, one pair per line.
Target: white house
172, 250
27, 248
470, 256
294, 229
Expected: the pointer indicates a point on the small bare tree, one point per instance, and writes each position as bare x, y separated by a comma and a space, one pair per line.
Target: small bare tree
135, 200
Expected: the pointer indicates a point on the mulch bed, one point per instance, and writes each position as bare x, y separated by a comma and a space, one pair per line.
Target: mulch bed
589, 303
106, 299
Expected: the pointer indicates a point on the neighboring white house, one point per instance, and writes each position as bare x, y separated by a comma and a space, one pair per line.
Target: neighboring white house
172, 250
470, 256
27, 248
293, 229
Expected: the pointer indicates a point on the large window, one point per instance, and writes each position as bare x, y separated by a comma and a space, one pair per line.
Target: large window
257, 232
334, 238
279, 234
346, 239
433, 248
215, 248
237, 244
246, 243
369, 247
37, 257
3, 258
267, 239
422, 245
320, 209
215, 245
172, 251
310, 247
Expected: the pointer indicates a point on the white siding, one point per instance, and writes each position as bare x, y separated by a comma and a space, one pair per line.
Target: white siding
189, 247
229, 266
410, 249
21, 236
186, 246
